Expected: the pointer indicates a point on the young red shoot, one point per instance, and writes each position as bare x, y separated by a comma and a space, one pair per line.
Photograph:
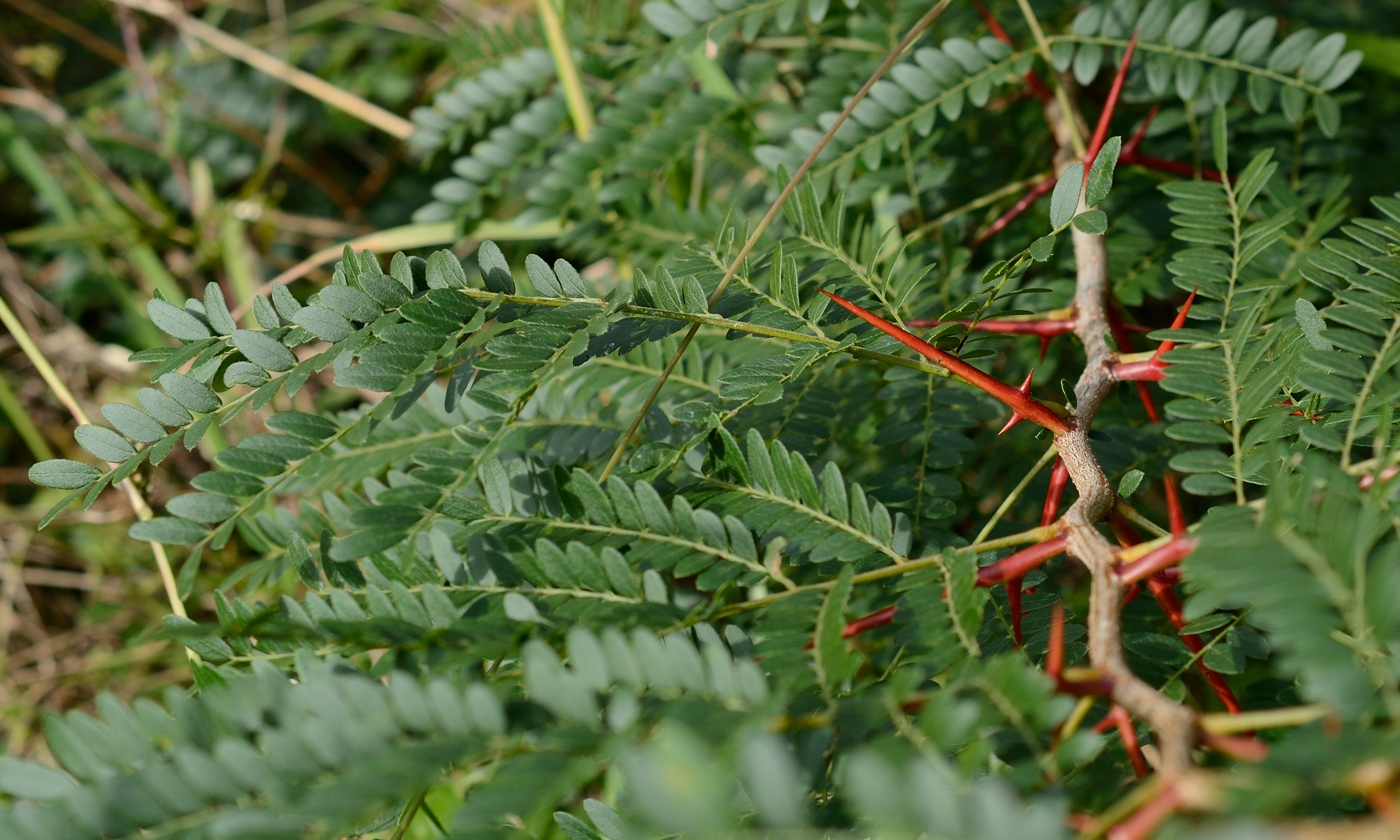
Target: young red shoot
1029, 407
1177, 323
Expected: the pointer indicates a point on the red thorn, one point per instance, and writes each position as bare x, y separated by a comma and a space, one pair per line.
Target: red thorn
1109, 106
1174, 513
856, 626
1019, 563
1156, 560
1032, 195
1128, 734
1046, 328
1055, 656
879, 618
1147, 370
1146, 819
1029, 407
1153, 369
1122, 530
993, 24
1171, 605
1044, 346
1015, 415
1235, 746
1177, 323
1059, 478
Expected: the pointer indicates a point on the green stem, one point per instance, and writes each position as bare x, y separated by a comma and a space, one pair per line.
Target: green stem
409, 812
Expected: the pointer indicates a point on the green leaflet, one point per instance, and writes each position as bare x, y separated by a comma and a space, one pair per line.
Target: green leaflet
834, 662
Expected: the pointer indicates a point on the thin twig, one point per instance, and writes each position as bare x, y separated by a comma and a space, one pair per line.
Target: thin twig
914, 31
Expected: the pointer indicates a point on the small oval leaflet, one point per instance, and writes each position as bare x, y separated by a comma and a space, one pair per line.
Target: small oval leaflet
104, 443
176, 322
1311, 322
263, 350
63, 474
1065, 198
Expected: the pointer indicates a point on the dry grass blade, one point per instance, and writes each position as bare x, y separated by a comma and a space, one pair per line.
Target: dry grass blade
909, 37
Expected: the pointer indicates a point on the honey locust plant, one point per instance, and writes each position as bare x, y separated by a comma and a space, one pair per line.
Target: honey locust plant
670, 532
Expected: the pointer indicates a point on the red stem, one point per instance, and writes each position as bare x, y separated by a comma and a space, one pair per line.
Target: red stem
1055, 656
1023, 404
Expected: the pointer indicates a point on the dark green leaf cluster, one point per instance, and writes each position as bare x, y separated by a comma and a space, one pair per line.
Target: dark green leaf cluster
1200, 57
765, 615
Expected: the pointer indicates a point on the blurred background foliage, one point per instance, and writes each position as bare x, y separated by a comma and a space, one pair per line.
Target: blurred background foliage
141, 157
